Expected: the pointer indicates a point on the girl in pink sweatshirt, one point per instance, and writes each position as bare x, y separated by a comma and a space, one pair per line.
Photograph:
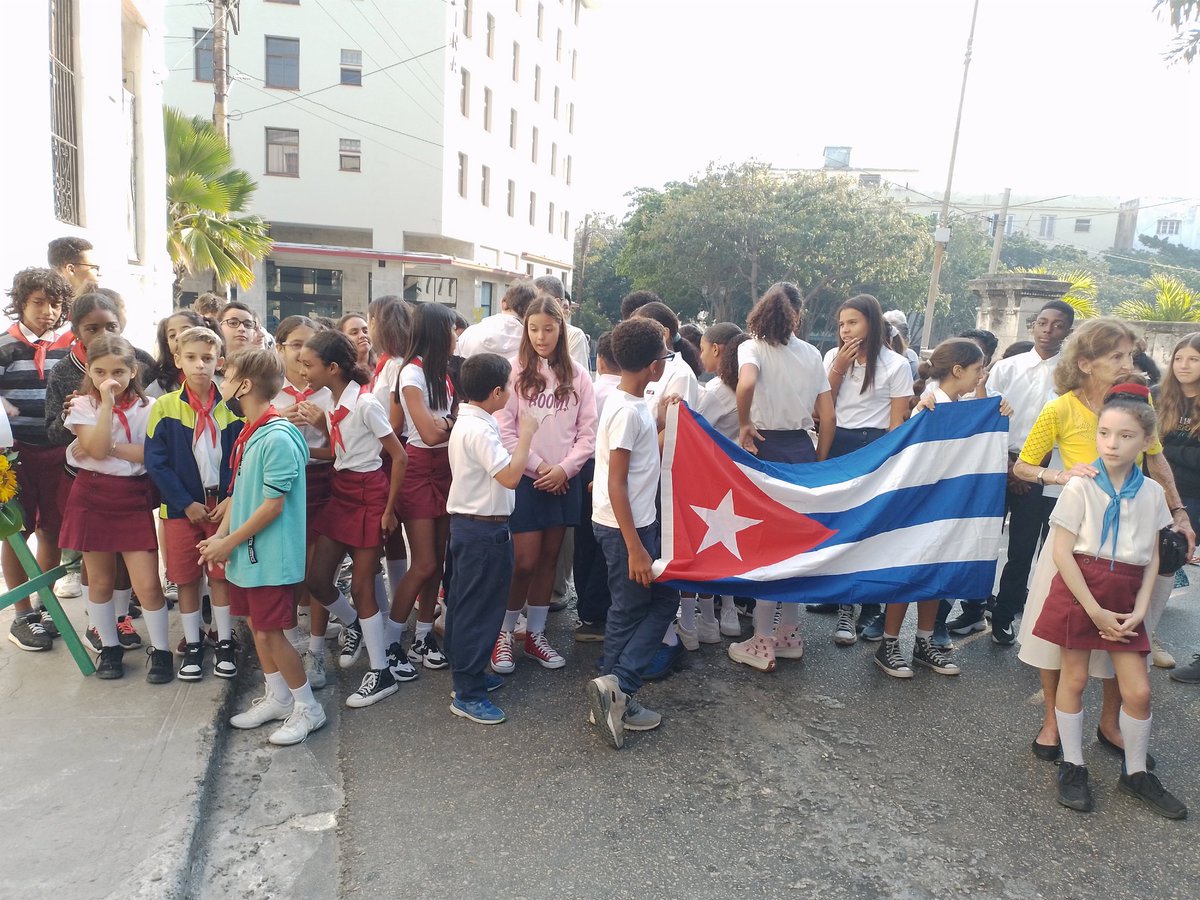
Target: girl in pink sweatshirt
558, 392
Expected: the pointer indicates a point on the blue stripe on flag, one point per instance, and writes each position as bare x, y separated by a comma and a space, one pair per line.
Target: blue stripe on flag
899, 584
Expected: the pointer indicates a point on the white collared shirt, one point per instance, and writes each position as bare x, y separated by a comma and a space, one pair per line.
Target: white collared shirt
500, 333
1026, 381
413, 375
314, 437
361, 431
84, 411
577, 346
790, 378
872, 409
476, 455
718, 404
50, 335
678, 378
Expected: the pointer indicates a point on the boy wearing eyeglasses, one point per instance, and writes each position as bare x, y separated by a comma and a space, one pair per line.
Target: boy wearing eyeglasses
238, 325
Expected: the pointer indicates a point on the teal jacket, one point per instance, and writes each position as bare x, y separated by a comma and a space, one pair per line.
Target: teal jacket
272, 465
169, 458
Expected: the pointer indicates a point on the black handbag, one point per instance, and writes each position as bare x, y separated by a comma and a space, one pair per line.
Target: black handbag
1172, 551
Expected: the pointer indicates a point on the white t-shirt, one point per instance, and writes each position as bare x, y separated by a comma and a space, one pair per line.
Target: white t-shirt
893, 381
314, 437
413, 375
678, 378
626, 425
604, 387
1080, 510
718, 404
790, 378
577, 346
385, 382
361, 430
500, 333
1026, 381
476, 455
85, 411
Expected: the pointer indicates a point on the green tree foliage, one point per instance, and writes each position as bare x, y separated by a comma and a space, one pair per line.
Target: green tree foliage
1181, 14
598, 244
1170, 301
208, 228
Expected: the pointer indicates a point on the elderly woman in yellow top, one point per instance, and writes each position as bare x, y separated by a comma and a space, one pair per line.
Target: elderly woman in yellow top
1097, 356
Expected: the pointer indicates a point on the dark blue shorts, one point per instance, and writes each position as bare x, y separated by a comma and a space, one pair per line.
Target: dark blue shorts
537, 510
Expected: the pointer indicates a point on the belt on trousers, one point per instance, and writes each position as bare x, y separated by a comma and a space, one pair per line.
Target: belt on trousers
475, 518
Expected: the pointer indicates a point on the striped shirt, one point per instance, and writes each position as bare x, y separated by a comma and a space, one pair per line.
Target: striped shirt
21, 385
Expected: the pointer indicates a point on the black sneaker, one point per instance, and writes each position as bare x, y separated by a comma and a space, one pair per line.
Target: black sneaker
427, 652
929, 656
1004, 635
1147, 788
352, 645
93, 638
47, 621
376, 685
225, 665
889, 658
109, 665
1073, 790
590, 632
28, 633
1189, 674
130, 639
399, 666
161, 668
192, 666
969, 620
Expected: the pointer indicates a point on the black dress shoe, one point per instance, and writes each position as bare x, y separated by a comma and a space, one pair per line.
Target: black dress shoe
1047, 752
1120, 751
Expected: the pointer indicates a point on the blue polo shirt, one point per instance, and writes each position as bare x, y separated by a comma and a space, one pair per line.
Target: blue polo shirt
273, 465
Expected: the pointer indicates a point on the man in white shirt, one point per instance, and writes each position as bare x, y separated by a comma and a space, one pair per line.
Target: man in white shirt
502, 332
1026, 381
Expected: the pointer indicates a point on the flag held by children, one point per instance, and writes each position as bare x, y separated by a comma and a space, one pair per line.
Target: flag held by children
916, 515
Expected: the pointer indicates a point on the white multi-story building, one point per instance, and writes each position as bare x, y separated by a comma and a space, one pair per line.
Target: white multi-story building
83, 155
1176, 221
425, 147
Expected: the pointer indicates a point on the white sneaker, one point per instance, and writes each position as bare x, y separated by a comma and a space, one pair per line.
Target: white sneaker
303, 721
689, 639
301, 643
730, 626
263, 710
314, 668
708, 632
68, 587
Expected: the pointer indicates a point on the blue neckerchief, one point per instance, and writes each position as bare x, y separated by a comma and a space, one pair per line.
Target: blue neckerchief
1112, 512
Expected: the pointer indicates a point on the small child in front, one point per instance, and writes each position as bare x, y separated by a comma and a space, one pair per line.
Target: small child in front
260, 541
625, 520
480, 501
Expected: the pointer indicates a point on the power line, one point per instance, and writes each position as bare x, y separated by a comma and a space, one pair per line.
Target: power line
404, 44
189, 50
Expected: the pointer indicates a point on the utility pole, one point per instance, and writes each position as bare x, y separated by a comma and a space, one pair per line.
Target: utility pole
220, 34
941, 235
998, 238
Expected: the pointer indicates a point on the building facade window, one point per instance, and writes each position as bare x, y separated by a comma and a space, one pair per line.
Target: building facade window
578, 6
352, 67
462, 175
1083, 226
512, 198
1046, 226
556, 96
468, 16
554, 159
568, 169
550, 218
541, 20
202, 56
464, 96
283, 63
283, 152
487, 109
491, 36
1010, 222
534, 144
559, 47
570, 118
537, 84
532, 208
566, 224
574, 63
1168, 227
485, 186
64, 129
512, 129
349, 155
516, 61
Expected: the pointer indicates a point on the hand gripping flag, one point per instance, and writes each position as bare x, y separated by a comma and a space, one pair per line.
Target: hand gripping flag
916, 515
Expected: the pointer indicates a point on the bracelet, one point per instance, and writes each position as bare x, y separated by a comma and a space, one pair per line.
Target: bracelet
1175, 509
1042, 477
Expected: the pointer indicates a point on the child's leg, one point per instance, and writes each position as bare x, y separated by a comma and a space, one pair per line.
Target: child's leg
541, 584
189, 610
927, 614
708, 608
422, 566
1068, 703
142, 569
483, 564
687, 611
326, 559
1110, 708
789, 618
277, 686
527, 551
362, 587
1135, 707
427, 610
1047, 736
764, 618
218, 592
893, 619
102, 568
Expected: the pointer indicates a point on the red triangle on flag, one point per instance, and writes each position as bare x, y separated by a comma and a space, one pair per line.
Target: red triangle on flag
722, 523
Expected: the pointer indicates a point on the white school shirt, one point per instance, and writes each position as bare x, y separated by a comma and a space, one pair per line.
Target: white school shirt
1026, 381
678, 378
476, 455
500, 333
385, 382
1080, 510
361, 431
790, 378
626, 425
85, 411
206, 447
413, 375
314, 437
577, 346
718, 404
604, 387
893, 380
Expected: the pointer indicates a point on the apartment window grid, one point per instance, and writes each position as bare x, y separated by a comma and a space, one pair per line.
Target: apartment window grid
571, 118
512, 198
1010, 224
464, 96
534, 145
566, 224
550, 218
491, 36
349, 155
487, 109
462, 175
558, 49
568, 167
64, 133
554, 159
574, 63
283, 63
516, 61
1046, 226
202, 56
541, 20
537, 84
578, 6
468, 16
556, 99
512, 128
283, 152
532, 208
485, 185
1083, 226
1168, 227
351, 64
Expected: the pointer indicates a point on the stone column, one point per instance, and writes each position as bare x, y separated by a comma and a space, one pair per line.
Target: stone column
1008, 304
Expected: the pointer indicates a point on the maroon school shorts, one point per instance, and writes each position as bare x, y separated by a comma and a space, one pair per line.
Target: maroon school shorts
269, 608
426, 483
317, 478
109, 514
44, 486
354, 514
1065, 622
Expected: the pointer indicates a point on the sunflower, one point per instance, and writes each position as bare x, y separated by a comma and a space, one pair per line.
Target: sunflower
8, 484
4, 466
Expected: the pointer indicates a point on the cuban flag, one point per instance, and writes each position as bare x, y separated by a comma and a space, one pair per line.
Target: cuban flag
914, 516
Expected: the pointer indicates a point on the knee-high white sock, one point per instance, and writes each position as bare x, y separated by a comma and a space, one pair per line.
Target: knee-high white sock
423, 629
727, 602
277, 686
764, 618
372, 627
1136, 733
316, 644
342, 609
396, 568
223, 619
303, 696
708, 609
536, 619
1070, 735
104, 620
383, 599
158, 624
393, 631
121, 598
510, 619
191, 626
789, 617
687, 613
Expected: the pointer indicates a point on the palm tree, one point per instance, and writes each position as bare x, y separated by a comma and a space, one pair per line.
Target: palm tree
1081, 296
1173, 301
208, 230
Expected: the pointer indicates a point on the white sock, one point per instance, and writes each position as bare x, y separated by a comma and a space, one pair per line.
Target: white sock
1136, 733
191, 626
687, 613
708, 610
891, 637
87, 594
395, 571
158, 624
293, 635
1070, 735
382, 598
393, 631
922, 633
105, 622
536, 618
671, 638
423, 629
277, 687
510, 619
727, 602
342, 609
121, 600
789, 617
764, 618
223, 619
316, 644
372, 628
303, 695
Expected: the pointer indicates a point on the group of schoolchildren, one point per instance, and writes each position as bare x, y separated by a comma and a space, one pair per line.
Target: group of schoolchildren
459, 472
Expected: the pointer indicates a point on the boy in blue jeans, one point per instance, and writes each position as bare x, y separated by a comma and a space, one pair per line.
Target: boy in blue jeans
625, 521
480, 501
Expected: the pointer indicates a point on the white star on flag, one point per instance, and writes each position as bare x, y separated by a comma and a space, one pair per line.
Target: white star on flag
723, 525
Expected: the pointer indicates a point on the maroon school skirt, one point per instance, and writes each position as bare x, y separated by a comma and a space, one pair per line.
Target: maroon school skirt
109, 514
354, 514
317, 479
426, 483
1065, 622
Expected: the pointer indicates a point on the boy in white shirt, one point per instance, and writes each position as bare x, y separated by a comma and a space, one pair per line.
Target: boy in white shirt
625, 521
480, 501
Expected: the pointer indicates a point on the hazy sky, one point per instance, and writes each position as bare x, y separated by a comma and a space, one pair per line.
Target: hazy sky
1064, 96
